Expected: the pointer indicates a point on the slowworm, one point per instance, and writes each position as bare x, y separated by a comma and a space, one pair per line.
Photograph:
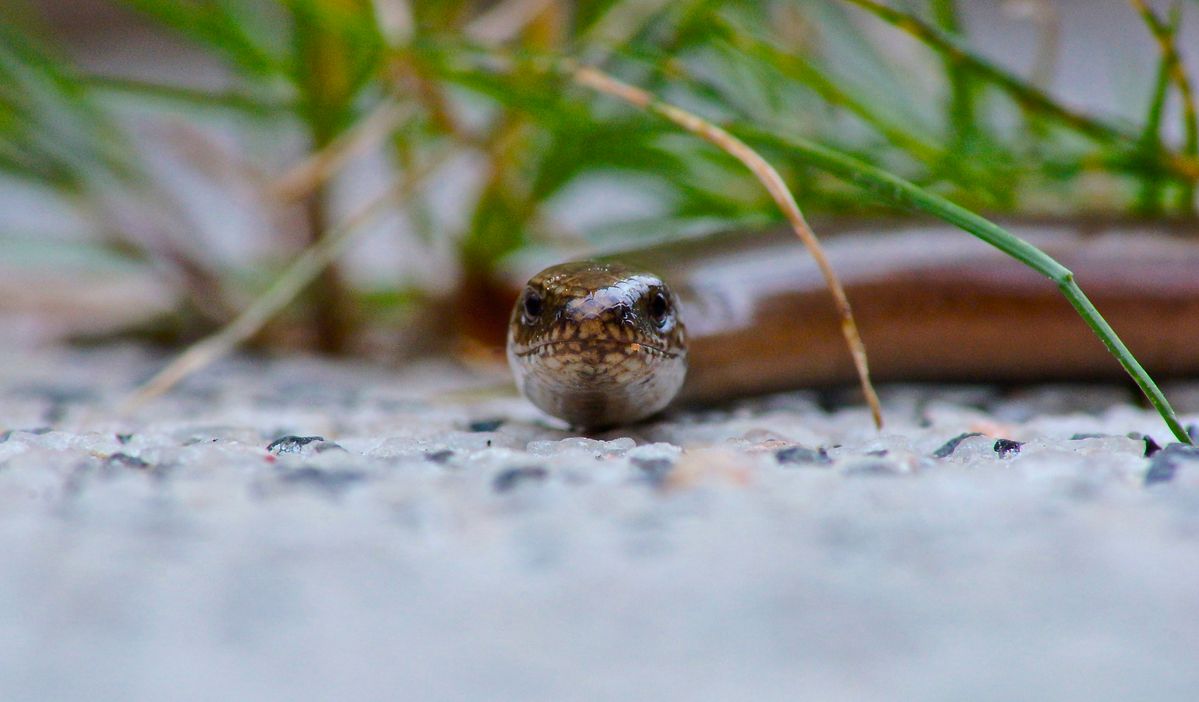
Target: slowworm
618, 338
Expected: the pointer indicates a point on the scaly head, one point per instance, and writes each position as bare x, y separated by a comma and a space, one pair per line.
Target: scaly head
597, 344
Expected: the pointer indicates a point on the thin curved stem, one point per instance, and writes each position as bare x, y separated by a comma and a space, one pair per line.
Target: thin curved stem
597, 80
900, 192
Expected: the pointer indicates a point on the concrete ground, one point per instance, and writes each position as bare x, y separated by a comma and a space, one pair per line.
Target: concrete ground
436, 543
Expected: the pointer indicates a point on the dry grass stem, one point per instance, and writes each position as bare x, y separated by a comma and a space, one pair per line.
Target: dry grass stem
298, 275
773, 182
318, 168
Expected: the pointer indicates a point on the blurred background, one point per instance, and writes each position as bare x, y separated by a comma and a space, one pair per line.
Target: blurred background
163, 162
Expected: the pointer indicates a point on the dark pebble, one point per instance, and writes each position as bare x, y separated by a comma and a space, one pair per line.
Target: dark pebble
878, 452
1007, 447
654, 469
950, 446
334, 481
440, 457
509, 478
1166, 462
801, 455
291, 444
834, 399
124, 460
868, 469
486, 425
1151, 446
123, 439
6, 435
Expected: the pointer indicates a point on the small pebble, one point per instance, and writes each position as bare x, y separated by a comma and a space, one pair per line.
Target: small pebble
291, 444
439, 457
1151, 446
1165, 463
509, 478
126, 461
866, 469
1007, 447
654, 469
801, 455
485, 425
950, 446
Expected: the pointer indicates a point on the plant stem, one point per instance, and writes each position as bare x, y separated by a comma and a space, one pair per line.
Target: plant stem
319, 167
1184, 165
601, 82
1166, 35
830, 90
187, 97
961, 89
301, 273
901, 192
329, 299
324, 87
1149, 197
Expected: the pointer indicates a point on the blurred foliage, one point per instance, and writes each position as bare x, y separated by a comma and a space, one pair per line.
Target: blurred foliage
474, 73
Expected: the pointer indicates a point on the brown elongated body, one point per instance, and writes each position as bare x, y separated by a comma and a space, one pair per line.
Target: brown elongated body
932, 303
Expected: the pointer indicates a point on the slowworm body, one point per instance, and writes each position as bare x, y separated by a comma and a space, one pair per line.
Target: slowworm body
618, 338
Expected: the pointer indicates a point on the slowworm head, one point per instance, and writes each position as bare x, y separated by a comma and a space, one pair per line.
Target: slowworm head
597, 344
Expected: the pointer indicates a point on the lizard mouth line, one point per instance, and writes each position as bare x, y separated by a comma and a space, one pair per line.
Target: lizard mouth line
609, 344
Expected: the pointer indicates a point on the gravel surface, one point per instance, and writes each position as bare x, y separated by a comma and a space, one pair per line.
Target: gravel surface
295, 529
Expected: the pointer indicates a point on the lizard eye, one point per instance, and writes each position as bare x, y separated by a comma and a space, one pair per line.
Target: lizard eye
532, 306
658, 308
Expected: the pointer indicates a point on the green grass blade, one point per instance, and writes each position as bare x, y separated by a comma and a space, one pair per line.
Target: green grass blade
802, 70
1149, 198
1166, 34
900, 192
193, 98
222, 27
961, 88
1025, 94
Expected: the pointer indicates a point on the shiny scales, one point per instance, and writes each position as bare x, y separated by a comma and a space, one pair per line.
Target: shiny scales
597, 344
